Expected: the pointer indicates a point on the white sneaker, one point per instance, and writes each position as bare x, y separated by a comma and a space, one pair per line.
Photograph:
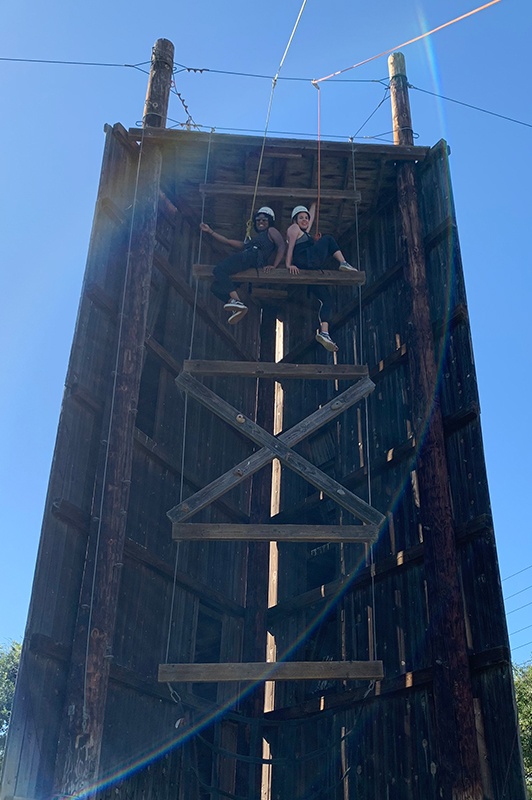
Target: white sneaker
345, 267
325, 340
238, 309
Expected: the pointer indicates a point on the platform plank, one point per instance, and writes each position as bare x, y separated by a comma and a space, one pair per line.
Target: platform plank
272, 533
282, 276
278, 371
276, 192
277, 671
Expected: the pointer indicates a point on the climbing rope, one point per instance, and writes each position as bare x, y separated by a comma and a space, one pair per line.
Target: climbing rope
185, 410
249, 226
107, 437
367, 453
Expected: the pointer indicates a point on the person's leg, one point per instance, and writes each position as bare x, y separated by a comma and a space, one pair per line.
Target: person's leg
224, 289
324, 316
222, 286
326, 247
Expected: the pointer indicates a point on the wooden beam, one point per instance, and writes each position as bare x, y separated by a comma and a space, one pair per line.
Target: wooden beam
291, 437
277, 671
275, 533
305, 277
275, 192
278, 371
342, 496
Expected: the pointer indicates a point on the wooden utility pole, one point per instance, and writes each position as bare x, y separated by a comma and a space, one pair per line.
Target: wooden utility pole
458, 776
159, 84
78, 759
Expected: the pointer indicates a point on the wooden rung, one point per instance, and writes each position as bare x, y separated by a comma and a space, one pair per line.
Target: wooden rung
278, 371
274, 192
275, 533
282, 276
278, 671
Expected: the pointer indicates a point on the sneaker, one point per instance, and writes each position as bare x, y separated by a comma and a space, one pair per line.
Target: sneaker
238, 309
325, 340
345, 267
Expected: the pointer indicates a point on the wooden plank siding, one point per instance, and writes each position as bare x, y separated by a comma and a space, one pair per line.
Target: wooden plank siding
186, 602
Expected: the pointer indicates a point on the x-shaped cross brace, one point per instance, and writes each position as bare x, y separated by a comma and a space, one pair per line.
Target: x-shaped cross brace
275, 447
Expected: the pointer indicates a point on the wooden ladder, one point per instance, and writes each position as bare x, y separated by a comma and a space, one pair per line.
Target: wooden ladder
274, 447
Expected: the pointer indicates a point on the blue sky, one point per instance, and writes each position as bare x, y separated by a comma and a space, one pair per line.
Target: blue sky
52, 144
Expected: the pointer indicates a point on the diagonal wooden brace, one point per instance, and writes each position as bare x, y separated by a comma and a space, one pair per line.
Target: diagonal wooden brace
217, 488
278, 449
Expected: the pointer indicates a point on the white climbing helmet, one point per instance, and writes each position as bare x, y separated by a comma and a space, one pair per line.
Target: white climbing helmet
298, 209
266, 210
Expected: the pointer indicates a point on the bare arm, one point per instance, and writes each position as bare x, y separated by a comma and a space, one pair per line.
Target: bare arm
291, 237
220, 238
279, 242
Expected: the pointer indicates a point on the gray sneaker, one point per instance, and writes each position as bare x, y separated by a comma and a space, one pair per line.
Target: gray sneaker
345, 267
238, 311
325, 340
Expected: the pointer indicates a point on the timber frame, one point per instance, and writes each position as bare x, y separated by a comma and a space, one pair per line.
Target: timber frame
338, 632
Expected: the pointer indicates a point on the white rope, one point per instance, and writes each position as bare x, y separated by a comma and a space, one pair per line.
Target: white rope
109, 429
185, 412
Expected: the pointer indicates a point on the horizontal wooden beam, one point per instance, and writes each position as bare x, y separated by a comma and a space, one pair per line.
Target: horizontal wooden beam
305, 277
277, 671
275, 192
275, 533
278, 371
363, 151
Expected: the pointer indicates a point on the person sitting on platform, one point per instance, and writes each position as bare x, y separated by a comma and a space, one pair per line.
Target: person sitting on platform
306, 253
265, 249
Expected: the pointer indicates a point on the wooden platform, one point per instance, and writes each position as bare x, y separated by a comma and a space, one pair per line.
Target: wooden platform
277, 671
278, 371
305, 277
274, 533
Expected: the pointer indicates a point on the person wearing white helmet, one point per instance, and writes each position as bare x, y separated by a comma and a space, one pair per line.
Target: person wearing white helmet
265, 249
305, 253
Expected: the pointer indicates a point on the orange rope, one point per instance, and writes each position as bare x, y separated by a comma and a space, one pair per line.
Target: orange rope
318, 234
410, 41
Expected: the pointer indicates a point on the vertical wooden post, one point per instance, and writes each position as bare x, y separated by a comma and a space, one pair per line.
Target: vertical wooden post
401, 118
80, 741
159, 84
459, 776
255, 630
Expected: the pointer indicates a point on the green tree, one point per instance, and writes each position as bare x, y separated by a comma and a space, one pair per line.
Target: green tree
9, 660
523, 695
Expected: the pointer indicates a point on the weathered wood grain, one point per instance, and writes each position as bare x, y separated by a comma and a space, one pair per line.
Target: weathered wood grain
278, 671
305, 277
244, 469
268, 533
277, 370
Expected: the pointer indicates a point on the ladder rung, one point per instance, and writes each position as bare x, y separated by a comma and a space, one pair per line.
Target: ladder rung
277, 671
278, 371
273, 533
282, 276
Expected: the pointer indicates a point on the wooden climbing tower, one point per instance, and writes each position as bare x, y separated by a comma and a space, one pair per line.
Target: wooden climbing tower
266, 571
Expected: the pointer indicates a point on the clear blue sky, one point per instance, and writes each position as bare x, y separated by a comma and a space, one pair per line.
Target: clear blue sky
52, 142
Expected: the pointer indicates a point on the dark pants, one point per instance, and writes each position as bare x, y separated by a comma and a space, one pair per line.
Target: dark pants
315, 256
222, 284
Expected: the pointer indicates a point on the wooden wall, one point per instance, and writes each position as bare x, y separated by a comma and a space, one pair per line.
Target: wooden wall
335, 601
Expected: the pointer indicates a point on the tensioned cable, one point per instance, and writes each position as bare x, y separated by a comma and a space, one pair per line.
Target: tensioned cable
525, 569
185, 411
410, 41
274, 84
470, 105
73, 63
110, 426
